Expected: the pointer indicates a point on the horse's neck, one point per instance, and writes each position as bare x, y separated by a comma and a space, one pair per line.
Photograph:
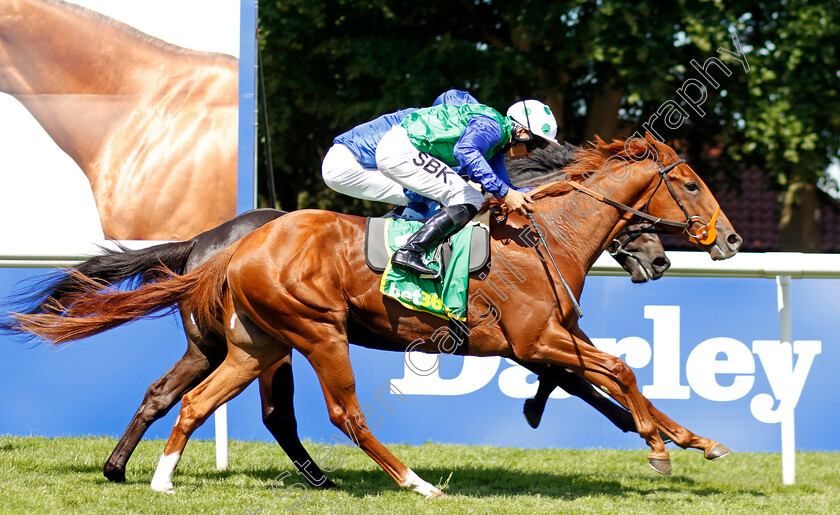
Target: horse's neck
76, 73
583, 227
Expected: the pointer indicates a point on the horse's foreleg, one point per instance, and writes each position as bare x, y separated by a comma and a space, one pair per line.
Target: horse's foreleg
681, 436
276, 394
581, 388
331, 362
558, 346
552, 377
161, 395
533, 408
574, 384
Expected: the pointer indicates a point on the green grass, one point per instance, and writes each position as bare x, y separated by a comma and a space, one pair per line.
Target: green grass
63, 475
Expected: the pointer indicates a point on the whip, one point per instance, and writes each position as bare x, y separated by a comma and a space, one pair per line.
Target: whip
562, 280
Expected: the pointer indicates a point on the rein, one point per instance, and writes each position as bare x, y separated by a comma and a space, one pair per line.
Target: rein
705, 235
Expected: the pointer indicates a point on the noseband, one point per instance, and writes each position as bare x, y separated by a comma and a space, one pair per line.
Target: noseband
705, 235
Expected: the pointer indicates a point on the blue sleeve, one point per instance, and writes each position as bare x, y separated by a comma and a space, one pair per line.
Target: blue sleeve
482, 134
497, 163
363, 139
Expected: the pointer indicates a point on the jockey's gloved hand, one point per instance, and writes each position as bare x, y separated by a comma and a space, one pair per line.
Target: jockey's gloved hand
518, 202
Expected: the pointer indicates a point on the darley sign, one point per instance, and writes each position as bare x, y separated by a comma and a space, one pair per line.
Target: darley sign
719, 369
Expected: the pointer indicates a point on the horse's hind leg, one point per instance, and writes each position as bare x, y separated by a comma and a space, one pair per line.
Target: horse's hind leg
331, 362
161, 395
236, 372
276, 393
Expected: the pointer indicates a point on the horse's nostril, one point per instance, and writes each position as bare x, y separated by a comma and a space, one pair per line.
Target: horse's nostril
734, 241
661, 262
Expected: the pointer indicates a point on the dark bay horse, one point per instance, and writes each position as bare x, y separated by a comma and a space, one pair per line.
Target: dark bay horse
153, 126
298, 281
643, 258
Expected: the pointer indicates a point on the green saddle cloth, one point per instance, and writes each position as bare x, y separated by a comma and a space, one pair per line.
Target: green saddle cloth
446, 298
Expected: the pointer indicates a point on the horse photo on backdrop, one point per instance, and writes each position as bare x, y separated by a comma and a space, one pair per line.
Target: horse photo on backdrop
153, 126
301, 282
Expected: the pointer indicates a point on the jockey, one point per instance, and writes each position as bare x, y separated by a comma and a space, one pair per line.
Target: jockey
349, 166
419, 153
421, 148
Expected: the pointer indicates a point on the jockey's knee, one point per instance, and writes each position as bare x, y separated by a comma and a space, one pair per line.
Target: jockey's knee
337, 166
473, 197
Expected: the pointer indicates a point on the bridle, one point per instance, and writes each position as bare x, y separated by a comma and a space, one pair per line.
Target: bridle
706, 235
632, 235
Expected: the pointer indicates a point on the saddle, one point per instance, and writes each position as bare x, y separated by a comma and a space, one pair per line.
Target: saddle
377, 258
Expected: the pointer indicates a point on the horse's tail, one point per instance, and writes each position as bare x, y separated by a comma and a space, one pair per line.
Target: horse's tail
133, 268
94, 308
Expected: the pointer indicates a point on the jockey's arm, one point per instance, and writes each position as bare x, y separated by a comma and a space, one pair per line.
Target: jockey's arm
482, 134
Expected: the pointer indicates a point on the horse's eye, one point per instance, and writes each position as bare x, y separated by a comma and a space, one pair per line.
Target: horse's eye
692, 186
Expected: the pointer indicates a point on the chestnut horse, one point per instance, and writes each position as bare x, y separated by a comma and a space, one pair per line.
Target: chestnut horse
298, 282
642, 256
153, 126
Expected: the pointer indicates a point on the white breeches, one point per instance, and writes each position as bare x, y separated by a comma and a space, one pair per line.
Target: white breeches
344, 173
398, 159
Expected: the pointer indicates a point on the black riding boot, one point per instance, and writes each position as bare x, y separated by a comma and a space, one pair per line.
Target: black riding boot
447, 221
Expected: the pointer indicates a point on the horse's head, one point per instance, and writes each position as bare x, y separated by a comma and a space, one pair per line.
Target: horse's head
640, 253
678, 194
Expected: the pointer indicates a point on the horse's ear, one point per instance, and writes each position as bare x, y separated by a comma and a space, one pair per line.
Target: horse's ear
650, 139
659, 147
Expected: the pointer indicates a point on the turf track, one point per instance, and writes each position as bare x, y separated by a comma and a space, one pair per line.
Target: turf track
40, 475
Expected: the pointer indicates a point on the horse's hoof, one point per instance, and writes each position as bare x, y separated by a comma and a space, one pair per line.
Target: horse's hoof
663, 466
532, 415
164, 488
114, 474
718, 452
437, 494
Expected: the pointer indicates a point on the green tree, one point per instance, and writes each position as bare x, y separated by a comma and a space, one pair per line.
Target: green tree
791, 113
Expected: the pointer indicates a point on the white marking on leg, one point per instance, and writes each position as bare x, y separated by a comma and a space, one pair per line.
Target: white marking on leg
414, 483
162, 480
232, 320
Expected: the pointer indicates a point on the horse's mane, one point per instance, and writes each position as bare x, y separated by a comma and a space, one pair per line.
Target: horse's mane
163, 45
542, 166
550, 169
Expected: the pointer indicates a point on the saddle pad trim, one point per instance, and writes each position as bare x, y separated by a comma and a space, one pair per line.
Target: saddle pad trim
377, 258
